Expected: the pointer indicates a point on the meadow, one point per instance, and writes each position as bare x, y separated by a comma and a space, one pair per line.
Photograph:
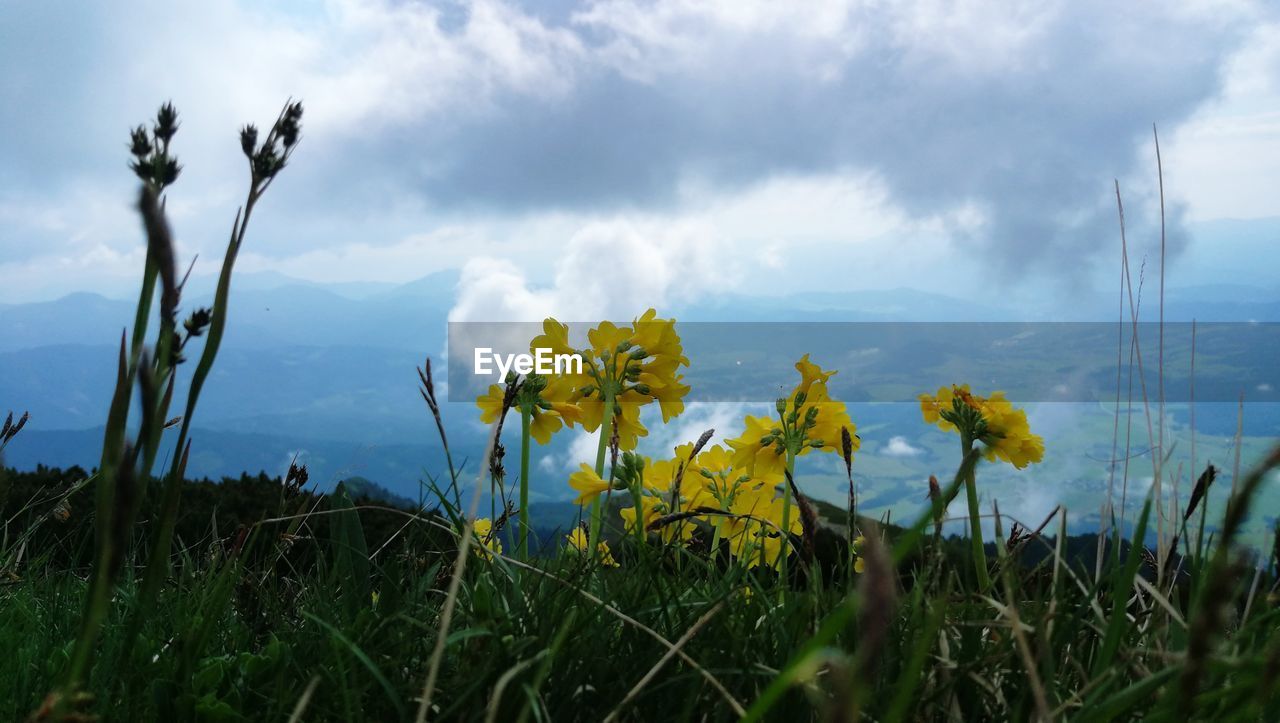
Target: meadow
703, 585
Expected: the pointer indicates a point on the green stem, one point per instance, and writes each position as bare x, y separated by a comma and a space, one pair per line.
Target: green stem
975, 520
786, 522
637, 491
597, 507
525, 415
145, 298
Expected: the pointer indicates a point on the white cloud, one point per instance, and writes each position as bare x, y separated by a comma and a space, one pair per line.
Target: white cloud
582, 450
900, 447
606, 270
698, 417
1225, 159
549, 463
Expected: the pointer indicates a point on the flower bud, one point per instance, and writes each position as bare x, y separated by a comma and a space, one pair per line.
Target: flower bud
249, 141
166, 122
139, 144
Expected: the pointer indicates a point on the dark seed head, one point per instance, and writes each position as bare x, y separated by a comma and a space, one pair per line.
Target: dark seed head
166, 122
170, 171
139, 143
248, 140
198, 321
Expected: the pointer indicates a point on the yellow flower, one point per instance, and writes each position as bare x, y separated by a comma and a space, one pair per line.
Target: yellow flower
578, 541
1003, 428
588, 484
760, 461
548, 399
810, 373
652, 508
753, 527
807, 419
933, 407
489, 543
554, 336
635, 365
543, 424
830, 419
491, 402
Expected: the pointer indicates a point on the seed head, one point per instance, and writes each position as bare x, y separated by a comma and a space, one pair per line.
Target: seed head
139, 143
166, 122
249, 141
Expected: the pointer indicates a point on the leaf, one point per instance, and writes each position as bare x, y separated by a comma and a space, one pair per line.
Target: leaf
350, 552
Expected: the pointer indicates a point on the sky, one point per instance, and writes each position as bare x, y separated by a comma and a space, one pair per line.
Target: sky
596, 158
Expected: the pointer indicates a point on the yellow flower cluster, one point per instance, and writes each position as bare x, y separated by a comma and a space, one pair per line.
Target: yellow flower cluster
736, 492
733, 507
490, 545
549, 413
629, 366
578, 541
807, 419
736, 495
1003, 429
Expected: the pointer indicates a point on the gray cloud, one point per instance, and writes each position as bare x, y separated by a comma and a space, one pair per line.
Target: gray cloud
1030, 132
1022, 114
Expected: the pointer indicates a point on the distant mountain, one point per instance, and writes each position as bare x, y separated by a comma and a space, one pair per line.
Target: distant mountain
890, 305
327, 371
216, 454
358, 487
411, 316
79, 318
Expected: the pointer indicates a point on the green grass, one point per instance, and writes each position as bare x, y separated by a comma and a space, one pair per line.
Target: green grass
251, 624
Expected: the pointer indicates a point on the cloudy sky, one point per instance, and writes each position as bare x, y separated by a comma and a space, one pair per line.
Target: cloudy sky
600, 157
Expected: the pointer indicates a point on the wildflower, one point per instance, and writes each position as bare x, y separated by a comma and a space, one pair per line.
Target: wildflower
859, 564
623, 369
626, 367
578, 541
651, 508
588, 484
490, 545
492, 403
994, 421
1003, 431
653, 485
807, 419
540, 401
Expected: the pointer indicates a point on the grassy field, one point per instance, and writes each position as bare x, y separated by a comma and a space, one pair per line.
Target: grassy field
701, 587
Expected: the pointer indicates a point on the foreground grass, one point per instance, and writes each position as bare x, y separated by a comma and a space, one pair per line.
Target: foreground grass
302, 613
